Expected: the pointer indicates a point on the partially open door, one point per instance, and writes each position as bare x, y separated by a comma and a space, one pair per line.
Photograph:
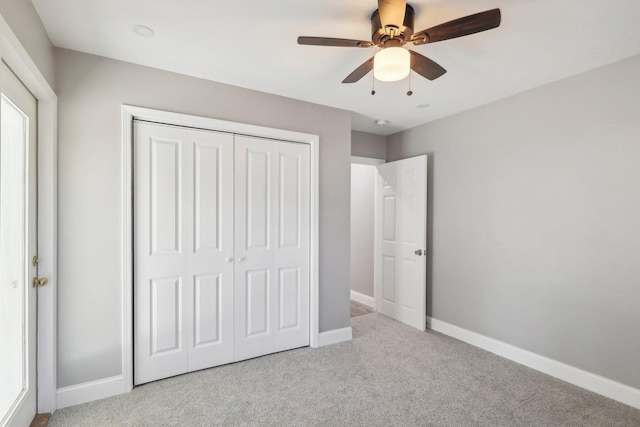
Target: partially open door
18, 241
401, 240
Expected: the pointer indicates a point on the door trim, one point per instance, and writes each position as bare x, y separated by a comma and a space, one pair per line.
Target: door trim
16, 57
129, 113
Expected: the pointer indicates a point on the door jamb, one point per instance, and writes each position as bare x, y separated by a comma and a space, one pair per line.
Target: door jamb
129, 113
17, 58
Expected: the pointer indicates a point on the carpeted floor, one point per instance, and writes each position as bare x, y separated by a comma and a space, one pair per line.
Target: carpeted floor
388, 375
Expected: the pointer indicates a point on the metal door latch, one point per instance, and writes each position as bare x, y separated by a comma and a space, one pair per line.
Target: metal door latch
40, 282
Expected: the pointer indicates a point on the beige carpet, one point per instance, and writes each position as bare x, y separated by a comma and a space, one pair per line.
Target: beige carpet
388, 375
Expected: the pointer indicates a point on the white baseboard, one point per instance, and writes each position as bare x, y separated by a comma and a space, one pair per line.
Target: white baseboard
334, 336
89, 391
362, 299
587, 380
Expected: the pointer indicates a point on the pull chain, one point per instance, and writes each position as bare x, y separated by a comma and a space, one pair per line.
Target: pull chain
373, 85
409, 92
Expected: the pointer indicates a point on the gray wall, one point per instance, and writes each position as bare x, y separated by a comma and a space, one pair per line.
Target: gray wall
91, 91
27, 26
365, 144
536, 219
362, 227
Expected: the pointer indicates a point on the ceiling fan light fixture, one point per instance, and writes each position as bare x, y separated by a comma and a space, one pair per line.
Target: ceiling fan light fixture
391, 64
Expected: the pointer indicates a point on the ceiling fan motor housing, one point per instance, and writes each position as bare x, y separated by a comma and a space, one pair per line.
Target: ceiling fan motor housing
380, 36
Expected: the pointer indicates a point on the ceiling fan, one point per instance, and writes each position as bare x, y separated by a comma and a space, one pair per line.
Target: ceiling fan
392, 28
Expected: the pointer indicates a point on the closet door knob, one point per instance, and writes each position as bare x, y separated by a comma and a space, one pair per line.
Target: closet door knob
229, 259
242, 259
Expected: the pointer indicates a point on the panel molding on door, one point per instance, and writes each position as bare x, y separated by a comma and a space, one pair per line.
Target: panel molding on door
401, 231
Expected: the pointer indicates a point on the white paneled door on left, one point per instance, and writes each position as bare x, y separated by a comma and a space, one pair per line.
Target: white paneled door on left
183, 250
221, 248
18, 240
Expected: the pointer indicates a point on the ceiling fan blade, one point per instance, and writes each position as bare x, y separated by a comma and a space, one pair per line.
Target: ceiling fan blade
360, 72
425, 67
459, 27
327, 41
392, 12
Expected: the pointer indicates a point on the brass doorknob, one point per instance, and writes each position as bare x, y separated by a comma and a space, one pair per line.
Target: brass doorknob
40, 282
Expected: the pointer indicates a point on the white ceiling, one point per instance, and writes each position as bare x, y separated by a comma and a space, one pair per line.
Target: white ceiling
252, 44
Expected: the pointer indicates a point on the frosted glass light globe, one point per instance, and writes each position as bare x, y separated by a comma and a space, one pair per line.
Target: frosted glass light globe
391, 64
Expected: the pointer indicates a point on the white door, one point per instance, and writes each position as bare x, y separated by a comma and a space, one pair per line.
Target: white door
272, 246
402, 240
183, 250
17, 247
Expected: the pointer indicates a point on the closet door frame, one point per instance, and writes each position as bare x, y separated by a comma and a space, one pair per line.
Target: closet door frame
131, 113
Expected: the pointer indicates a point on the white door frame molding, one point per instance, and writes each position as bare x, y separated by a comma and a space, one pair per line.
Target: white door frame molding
129, 113
16, 57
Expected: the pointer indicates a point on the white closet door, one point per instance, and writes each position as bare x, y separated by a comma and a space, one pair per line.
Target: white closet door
183, 240
272, 246
402, 234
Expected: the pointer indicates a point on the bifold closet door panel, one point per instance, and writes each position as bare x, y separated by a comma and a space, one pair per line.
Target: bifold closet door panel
159, 252
272, 246
291, 252
183, 249
210, 316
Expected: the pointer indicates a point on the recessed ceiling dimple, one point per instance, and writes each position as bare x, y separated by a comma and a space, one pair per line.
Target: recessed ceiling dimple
143, 31
422, 106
